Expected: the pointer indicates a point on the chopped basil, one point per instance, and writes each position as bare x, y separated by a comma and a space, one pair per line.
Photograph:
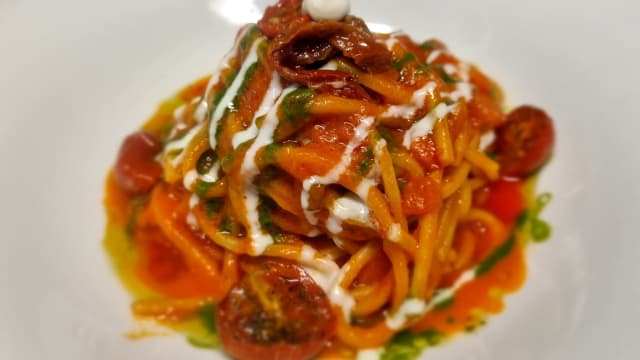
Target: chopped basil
399, 64
202, 187
408, 346
445, 77
365, 165
226, 226
270, 153
264, 216
385, 133
498, 254
213, 206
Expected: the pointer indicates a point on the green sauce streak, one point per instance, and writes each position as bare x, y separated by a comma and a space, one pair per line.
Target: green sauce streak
245, 83
207, 338
270, 152
498, 254
264, 216
444, 303
295, 106
136, 204
408, 346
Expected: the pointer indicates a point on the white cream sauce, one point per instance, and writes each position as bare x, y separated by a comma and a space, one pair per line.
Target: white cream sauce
424, 126
328, 275
333, 175
274, 90
249, 170
232, 91
417, 102
326, 9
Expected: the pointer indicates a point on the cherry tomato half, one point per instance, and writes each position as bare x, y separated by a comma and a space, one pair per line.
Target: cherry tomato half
275, 312
524, 142
136, 170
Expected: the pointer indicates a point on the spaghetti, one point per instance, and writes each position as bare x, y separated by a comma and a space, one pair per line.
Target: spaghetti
326, 190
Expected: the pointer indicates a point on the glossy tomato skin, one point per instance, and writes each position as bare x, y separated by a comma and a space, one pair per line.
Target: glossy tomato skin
505, 200
421, 195
136, 170
275, 312
524, 142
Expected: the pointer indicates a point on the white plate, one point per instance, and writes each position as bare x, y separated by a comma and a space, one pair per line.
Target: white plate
77, 75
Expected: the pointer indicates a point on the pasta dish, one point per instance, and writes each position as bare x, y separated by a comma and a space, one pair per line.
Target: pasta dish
328, 192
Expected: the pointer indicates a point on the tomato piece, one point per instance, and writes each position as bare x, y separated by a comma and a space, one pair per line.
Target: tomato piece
424, 150
276, 311
278, 19
505, 200
484, 112
136, 170
421, 195
524, 142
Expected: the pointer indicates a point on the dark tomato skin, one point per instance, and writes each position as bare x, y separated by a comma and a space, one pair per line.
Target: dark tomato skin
421, 195
524, 142
505, 200
136, 170
296, 323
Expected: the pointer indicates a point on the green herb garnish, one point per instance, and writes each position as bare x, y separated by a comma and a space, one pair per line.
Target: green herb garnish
399, 64
202, 187
365, 165
213, 206
445, 77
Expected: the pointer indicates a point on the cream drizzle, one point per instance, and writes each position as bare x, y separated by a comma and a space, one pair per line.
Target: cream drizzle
413, 307
192, 220
423, 126
434, 55
275, 89
178, 145
328, 275
249, 170
232, 91
203, 107
417, 102
333, 175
